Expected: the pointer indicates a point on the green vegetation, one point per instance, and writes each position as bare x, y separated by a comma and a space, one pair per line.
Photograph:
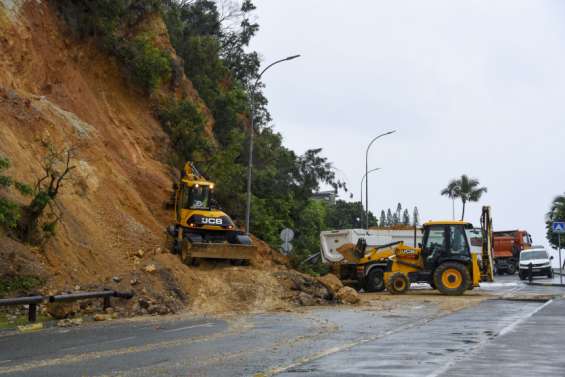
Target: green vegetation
9, 210
213, 47
556, 213
110, 22
465, 188
399, 217
18, 284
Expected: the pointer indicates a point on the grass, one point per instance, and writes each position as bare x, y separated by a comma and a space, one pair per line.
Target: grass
6, 323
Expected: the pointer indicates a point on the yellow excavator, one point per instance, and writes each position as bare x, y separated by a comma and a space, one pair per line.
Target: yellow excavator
444, 260
201, 230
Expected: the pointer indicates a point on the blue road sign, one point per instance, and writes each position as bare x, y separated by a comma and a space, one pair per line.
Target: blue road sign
558, 227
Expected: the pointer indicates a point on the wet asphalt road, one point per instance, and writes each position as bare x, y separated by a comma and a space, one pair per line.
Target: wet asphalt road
496, 337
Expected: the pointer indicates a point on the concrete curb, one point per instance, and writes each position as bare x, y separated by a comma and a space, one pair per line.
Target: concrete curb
546, 284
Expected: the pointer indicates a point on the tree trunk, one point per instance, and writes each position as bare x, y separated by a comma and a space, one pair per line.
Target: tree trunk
28, 223
463, 211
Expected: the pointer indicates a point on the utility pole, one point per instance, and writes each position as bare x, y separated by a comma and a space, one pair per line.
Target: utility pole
367, 178
361, 192
251, 130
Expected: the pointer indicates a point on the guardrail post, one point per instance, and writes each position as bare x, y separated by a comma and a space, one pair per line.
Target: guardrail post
32, 313
107, 302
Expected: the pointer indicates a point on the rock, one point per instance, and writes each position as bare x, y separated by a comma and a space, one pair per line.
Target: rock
109, 310
150, 268
143, 303
116, 279
77, 287
102, 317
133, 281
305, 299
348, 295
159, 251
69, 322
139, 253
331, 282
62, 310
158, 309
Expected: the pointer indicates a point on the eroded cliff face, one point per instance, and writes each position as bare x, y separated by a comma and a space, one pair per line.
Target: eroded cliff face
56, 90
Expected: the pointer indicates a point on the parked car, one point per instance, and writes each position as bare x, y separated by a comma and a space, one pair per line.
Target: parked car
540, 261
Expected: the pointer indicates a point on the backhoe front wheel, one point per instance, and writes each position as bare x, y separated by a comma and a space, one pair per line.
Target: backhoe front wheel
398, 283
452, 278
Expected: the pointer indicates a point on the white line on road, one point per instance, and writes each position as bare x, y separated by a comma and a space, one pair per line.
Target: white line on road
207, 324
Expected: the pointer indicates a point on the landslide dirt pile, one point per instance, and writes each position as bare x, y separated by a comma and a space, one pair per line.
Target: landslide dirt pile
54, 90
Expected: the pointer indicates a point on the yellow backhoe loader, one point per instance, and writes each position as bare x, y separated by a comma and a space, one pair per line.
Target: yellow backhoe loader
202, 230
444, 260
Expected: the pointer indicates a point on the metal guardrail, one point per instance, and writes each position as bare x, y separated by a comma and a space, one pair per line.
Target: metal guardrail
33, 301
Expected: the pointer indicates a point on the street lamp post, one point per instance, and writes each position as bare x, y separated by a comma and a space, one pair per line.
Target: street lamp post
251, 129
367, 178
361, 192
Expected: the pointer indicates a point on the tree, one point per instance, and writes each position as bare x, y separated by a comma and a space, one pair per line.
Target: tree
405, 217
382, 221
465, 188
415, 217
389, 218
57, 164
398, 213
556, 213
345, 215
450, 192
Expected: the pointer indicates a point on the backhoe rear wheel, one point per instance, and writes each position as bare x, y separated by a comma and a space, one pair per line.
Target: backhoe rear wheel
374, 282
397, 284
452, 278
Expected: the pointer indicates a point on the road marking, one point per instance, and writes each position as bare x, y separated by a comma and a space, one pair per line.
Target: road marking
513, 325
502, 332
88, 356
207, 324
344, 347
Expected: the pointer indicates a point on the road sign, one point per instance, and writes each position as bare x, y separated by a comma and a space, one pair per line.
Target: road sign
287, 235
558, 227
286, 248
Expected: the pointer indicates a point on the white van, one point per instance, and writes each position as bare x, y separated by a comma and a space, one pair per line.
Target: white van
540, 261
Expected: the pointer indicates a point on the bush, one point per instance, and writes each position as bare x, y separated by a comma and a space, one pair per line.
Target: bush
185, 125
18, 284
145, 64
9, 210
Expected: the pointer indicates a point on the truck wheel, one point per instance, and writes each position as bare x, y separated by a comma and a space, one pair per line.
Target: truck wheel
374, 282
511, 269
522, 276
398, 283
452, 278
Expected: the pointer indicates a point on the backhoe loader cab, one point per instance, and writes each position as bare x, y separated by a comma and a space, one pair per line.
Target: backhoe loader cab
444, 261
201, 230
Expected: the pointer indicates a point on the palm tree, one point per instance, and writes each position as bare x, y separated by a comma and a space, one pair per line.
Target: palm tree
556, 213
450, 192
465, 188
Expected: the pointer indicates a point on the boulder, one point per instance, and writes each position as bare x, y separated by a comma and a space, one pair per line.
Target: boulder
331, 282
348, 295
305, 299
62, 310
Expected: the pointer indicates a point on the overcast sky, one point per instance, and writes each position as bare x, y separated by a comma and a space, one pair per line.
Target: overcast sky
472, 87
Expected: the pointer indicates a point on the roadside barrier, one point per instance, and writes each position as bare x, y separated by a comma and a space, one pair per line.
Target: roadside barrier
34, 301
